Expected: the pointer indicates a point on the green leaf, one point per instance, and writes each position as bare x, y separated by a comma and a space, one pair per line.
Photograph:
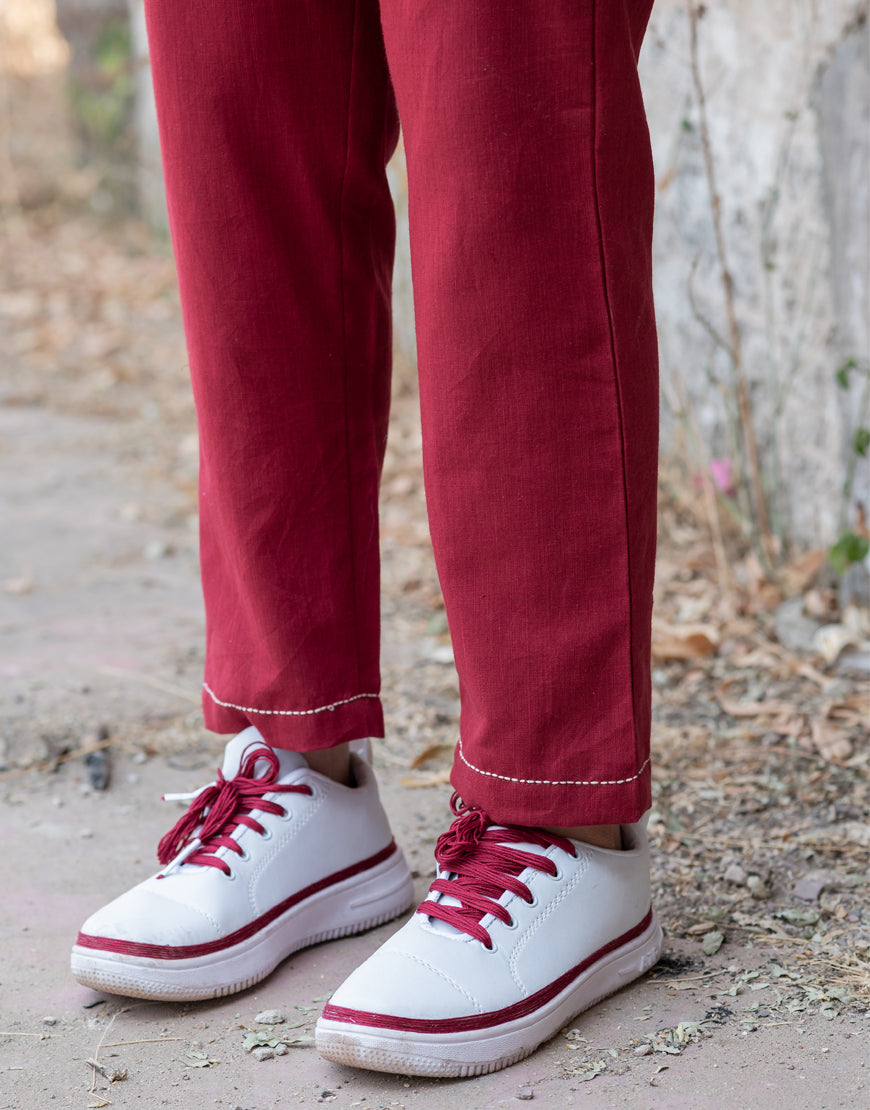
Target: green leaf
842, 374
848, 549
861, 441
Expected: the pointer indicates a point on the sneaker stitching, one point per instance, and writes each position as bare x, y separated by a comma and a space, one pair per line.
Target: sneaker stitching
549, 782
536, 924
299, 822
284, 712
447, 979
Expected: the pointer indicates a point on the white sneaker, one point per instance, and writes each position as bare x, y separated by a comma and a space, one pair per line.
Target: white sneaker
269, 858
522, 930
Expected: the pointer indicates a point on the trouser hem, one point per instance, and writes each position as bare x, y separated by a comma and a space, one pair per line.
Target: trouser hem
536, 801
350, 718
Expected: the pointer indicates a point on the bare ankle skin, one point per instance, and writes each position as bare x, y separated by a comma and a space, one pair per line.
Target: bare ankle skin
332, 762
601, 836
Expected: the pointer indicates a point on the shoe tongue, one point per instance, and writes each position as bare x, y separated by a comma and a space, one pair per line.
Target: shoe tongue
251, 738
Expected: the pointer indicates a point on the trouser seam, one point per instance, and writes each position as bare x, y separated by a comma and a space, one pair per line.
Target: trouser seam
352, 531
616, 379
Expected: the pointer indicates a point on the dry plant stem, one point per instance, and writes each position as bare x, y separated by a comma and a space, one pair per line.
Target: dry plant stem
852, 465
735, 349
711, 502
711, 511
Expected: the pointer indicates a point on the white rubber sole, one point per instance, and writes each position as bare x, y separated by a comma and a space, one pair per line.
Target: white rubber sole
357, 904
479, 1051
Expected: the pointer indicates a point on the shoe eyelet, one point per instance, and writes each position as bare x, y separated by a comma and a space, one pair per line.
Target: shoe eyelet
244, 857
534, 901
557, 874
266, 834
286, 815
230, 875
513, 924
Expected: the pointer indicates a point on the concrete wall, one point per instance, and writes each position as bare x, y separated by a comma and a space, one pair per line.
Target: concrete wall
787, 96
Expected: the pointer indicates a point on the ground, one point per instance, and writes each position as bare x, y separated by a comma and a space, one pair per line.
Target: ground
759, 825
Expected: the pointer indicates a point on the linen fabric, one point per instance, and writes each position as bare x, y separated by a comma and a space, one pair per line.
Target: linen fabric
530, 188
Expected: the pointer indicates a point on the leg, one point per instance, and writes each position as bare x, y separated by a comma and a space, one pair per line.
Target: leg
276, 124
531, 201
531, 205
276, 121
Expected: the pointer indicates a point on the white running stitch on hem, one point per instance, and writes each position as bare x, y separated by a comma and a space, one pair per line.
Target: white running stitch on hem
283, 712
550, 782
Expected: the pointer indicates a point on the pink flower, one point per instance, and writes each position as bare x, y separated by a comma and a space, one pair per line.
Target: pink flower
722, 473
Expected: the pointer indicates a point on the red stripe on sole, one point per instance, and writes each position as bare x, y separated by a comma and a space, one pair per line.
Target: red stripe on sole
190, 951
494, 1017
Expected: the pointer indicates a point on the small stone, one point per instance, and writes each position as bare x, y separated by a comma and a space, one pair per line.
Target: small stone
270, 1017
157, 549
49, 1020
97, 765
800, 916
525, 1096
735, 875
86, 834
643, 1050
262, 1052
281, 1049
140, 757
808, 890
757, 887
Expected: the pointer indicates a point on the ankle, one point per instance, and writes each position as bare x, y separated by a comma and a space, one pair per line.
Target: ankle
600, 836
334, 763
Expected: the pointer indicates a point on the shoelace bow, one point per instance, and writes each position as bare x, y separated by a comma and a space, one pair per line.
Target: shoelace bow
219, 808
484, 868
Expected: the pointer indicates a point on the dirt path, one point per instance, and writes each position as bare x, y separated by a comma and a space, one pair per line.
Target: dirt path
100, 644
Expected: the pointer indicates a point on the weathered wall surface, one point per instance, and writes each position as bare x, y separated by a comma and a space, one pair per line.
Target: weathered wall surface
152, 195
786, 86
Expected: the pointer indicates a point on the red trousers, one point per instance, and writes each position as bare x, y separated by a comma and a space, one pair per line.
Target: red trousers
531, 189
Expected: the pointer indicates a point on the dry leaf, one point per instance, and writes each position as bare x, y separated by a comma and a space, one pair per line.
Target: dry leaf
772, 708
820, 604
829, 740
688, 641
435, 779
788, 724
801, 571
434, 751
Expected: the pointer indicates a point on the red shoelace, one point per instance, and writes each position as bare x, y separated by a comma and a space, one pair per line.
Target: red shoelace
219, 808
484, 868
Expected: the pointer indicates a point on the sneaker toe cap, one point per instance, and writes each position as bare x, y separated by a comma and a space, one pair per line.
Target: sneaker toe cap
401, 983
143, 916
